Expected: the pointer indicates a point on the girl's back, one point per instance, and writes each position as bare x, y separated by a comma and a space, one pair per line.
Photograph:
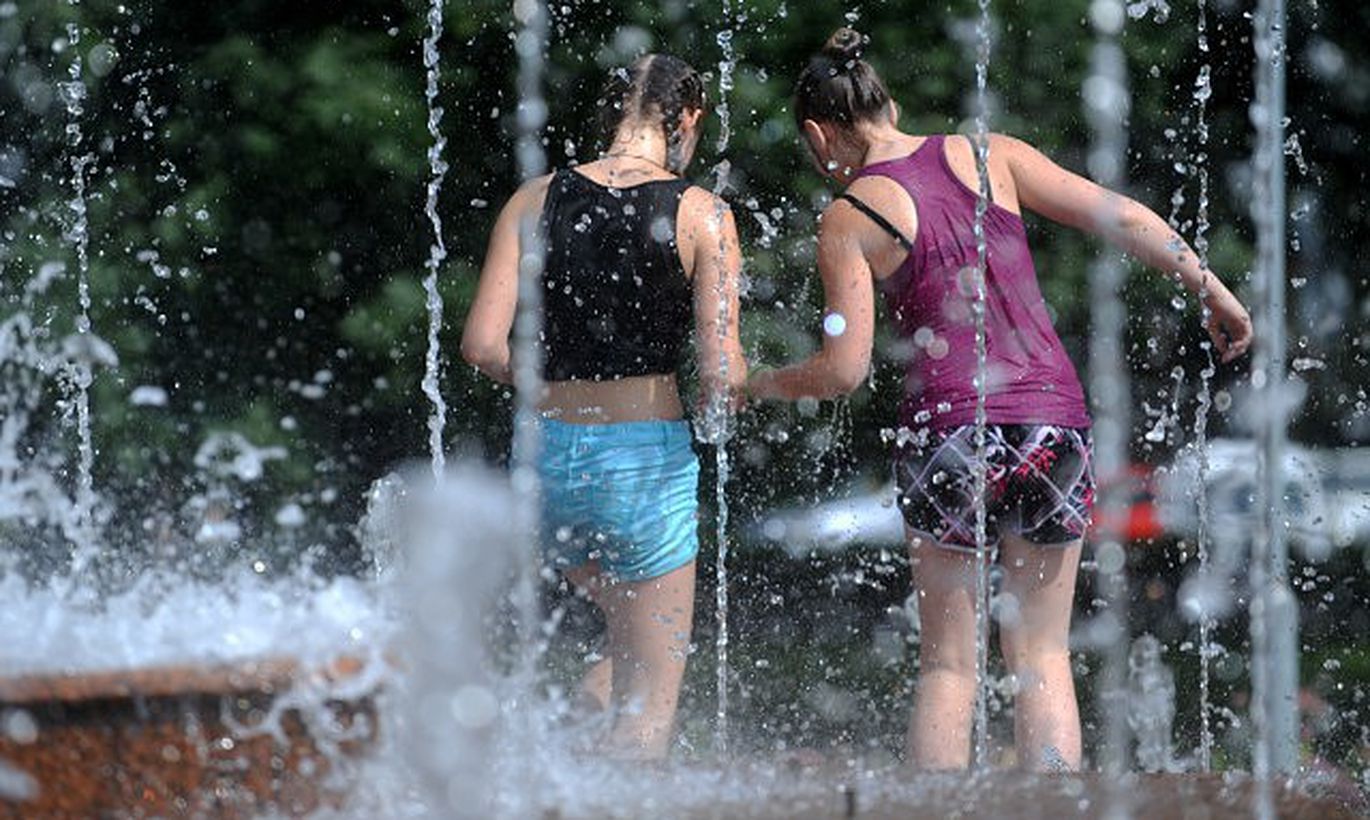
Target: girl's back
931, 299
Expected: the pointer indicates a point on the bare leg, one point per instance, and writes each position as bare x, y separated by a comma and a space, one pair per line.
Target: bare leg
1034, 639
595, 686
944, 586
595, 683
649, 636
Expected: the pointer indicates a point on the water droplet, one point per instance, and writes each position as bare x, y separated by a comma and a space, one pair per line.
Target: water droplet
662, 230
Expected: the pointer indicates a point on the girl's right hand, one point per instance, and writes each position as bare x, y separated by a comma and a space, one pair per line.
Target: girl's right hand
1229, 325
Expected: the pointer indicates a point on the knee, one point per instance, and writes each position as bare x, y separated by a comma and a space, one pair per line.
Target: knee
1026, 646
1036, 664
947, 659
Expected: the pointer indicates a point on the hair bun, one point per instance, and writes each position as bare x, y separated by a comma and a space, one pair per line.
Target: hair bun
845, 47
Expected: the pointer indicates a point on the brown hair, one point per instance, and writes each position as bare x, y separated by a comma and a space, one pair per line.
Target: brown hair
655, 86
838, 86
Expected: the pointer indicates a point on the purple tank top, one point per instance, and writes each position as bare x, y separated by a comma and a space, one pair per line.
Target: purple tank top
930, 297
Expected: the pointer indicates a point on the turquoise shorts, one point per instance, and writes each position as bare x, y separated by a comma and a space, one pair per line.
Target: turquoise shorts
625, 495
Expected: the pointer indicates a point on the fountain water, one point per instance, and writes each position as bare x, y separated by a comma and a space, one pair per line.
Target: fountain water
452, 702
80, 374
1151, 705
437, 251
714, 427
1274, 638
1106, 107
135, 671
530, 45
1203, 90
981, 467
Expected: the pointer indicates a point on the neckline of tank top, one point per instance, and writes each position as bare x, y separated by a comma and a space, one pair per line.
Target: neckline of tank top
946, 167
602, 186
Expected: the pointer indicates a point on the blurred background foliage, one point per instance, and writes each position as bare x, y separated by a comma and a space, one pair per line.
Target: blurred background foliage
257, 237
257, 240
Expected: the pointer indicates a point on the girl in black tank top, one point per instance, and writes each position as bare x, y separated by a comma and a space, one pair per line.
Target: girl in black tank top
629, 245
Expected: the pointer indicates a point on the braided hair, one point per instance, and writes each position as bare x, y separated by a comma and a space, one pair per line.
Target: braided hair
657, 87
838, 86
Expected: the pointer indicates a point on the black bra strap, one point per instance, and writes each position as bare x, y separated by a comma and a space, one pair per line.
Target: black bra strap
879, 220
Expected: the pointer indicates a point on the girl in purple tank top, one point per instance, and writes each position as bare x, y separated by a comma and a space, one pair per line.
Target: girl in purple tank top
905, 227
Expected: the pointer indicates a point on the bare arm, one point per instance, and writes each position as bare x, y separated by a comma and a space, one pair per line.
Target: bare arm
1061, 196
849, 317
711, 232
485, 338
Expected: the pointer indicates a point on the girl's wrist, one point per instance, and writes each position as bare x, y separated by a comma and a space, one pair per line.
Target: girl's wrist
757, 384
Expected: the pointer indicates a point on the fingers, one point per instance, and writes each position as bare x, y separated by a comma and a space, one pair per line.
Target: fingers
1215, 332
1231, 336
1228, 325
1239, 333
1239, 345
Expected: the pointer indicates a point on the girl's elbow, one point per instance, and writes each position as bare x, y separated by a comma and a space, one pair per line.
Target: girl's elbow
847, 370
738, 372
848, 380
481, 354
472, 352
846, 384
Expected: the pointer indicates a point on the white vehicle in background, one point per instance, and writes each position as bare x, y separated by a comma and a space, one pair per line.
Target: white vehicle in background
1326, 502
1326, 496
866, 516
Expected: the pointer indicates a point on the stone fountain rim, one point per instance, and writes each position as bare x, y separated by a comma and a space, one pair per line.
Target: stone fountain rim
258, 676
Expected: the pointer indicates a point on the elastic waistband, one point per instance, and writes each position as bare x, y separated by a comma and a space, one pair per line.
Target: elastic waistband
625, 432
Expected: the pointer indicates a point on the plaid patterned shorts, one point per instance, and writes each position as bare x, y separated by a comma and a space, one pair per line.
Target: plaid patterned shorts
1039, 483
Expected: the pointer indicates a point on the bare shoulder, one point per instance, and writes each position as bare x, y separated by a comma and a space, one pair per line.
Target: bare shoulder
1007, 143
961, 147
1015, 151
700, 200
527, 200
702, 210
881, 194
533, 191
873, 189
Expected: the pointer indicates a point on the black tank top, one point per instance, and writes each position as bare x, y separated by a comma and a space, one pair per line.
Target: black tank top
616, 302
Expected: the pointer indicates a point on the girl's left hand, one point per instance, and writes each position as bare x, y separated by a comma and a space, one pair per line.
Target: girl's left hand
1229, 325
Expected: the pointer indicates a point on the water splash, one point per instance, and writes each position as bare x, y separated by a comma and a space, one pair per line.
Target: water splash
32, 496
1203, 90
79, 372
980, 468
721, 599
437, 251
168, 620
530, 44
715, 427
1107, 103
1151, 705
452, 710
1274, 642
1159, 9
